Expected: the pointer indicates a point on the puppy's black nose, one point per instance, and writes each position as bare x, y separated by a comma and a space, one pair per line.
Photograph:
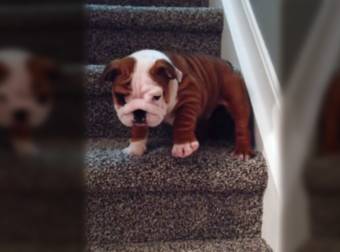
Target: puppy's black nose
20, 115
139, 116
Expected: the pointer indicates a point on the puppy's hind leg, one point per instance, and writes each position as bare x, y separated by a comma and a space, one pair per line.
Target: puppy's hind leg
236, 101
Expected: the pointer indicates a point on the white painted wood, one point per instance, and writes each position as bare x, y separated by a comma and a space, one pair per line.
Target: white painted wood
263, 86
302, 103
271, 231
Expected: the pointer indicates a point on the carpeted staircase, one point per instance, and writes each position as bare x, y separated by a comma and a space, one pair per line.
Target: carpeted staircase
207, 202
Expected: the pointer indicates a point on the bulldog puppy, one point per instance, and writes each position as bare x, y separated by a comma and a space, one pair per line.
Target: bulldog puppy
150, 87
25, 96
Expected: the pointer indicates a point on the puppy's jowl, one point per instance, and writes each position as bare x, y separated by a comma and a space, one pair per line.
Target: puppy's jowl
25, 97
151, 87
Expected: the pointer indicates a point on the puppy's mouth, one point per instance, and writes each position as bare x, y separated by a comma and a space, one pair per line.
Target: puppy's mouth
139, 118
139, 124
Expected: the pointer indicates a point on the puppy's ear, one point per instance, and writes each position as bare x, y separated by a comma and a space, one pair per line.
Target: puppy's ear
118, 70
111, 72
166, 71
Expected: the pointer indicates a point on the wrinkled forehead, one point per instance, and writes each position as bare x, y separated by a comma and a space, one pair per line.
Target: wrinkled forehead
142, 69
149, 54
144, 78
142, 82
141, 77
145, 60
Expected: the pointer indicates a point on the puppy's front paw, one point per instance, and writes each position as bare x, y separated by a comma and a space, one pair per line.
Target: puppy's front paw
184, 150
136, 148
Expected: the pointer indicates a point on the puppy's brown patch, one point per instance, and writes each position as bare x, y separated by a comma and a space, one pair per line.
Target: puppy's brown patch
139, 133
208, 83
44, 73
119, 73
162, 72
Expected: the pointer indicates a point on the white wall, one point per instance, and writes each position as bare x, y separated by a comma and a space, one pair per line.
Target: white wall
268, 16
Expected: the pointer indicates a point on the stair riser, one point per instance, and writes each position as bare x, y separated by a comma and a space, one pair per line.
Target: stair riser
181, 3
102, 121
105, 45
125, 218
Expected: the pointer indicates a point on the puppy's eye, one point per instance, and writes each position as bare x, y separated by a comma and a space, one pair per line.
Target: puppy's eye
120, 99
157, 97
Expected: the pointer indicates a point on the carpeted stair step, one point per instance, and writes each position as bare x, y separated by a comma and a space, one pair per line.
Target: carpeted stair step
243, 245
211, 169
116, 31
168, 216
179, 3
159, 198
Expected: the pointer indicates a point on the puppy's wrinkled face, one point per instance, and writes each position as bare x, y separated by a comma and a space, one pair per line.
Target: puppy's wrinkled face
25, 89
144, 87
